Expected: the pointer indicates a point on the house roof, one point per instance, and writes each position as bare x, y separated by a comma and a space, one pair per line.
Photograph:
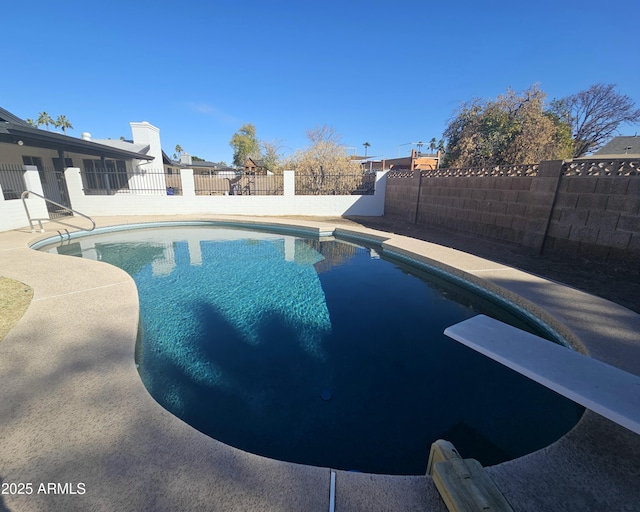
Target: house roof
8, 117
199, 163
626, 146
124, 145
257, 161
194, 164
13, 129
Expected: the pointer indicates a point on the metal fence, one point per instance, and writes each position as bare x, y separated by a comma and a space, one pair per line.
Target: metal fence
335, 184
12, 181
126, 181
238, 184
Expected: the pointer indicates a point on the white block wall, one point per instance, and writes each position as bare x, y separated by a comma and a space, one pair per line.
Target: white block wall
12, 212
189, 203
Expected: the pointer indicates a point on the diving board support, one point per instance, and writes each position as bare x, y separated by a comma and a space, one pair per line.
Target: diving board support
463, 484
602, 388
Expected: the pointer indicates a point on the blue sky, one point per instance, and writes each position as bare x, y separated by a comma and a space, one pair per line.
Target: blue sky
385, 72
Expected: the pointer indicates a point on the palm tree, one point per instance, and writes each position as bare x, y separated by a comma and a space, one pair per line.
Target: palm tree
433, 144
179, 150
366, 146
64, 123
31, 122
44, 119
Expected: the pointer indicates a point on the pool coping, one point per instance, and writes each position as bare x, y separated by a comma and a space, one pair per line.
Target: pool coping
132, 455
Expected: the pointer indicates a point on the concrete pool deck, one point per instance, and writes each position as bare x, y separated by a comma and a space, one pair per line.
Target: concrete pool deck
73, 408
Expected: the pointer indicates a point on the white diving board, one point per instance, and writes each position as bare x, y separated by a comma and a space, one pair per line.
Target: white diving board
605, 389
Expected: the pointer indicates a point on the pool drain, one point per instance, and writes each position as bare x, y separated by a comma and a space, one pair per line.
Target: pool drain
326, 395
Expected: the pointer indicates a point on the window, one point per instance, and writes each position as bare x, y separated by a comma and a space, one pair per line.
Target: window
112, 177
37, 161
67, 163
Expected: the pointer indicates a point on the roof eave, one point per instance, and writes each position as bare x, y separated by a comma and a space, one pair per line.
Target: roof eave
34, 137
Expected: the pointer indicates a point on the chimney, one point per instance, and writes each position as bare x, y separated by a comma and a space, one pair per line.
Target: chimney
86, 136
185, 158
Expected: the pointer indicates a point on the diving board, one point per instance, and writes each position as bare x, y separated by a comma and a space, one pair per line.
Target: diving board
604, 389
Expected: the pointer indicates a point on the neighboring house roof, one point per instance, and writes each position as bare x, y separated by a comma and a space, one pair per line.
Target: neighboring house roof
256, 161
169, 161
209, 165
14, 129
194, 164
626, 146
124, 145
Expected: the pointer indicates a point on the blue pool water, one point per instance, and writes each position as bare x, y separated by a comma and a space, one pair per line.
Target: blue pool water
321, 351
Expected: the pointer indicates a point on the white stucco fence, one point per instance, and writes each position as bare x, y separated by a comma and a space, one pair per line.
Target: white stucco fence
13, 216
12, 213
189, 203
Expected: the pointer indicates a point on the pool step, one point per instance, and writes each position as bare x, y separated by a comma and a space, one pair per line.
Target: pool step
463, 484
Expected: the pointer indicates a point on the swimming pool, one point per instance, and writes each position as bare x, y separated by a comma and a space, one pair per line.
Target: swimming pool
320, 351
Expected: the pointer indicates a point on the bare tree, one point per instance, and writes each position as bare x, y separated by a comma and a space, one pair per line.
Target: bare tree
595, 115
325, 163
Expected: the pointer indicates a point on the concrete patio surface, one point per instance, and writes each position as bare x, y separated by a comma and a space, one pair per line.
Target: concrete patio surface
74, 410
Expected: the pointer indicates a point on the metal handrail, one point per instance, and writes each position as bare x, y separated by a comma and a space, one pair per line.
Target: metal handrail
24, 196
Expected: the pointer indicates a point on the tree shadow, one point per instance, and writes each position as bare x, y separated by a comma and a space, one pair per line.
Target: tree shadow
3, 506
615, 281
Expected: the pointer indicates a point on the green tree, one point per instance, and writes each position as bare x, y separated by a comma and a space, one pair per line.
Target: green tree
594, 115
366, 147
271, 155
178, 152
510, 129
31, 122
433, 145
44, 119
245, 144
64, 123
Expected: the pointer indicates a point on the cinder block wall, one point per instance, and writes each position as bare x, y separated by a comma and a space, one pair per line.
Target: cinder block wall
401, 195
586, 208
509, 204
597, 217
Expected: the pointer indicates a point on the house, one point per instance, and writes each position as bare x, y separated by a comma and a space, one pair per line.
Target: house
22, 144
200, 167
417, 161
255, 166
625, 146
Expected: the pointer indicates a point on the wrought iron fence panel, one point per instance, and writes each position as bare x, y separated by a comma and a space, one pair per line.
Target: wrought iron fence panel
238, 184
320, 184
12, 181
54, 187
112, 181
